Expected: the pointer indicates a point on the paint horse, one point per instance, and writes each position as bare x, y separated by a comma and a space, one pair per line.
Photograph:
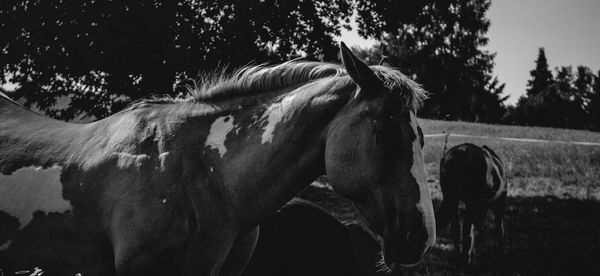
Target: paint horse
178, 187
475, 176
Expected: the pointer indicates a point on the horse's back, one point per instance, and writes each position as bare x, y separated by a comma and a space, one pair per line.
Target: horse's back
51, 178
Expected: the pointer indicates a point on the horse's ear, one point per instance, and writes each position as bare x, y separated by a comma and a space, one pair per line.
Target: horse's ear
357, 69
385, 61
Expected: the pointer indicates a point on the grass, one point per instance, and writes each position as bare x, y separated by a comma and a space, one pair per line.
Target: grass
542, 133
552, 219
534, 169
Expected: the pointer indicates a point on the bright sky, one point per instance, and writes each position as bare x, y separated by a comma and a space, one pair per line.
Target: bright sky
569, 30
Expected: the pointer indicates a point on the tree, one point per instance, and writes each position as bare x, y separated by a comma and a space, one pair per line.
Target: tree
96, 56
594, 104
387, 16
566, 100
541, 77
558, 105
490, 106
370, 55
584, 82
568, 106
441, 45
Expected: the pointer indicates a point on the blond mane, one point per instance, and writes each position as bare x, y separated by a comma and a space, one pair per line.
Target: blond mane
256, 79
249, 80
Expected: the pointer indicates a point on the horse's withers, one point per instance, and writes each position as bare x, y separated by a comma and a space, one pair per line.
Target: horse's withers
373, 156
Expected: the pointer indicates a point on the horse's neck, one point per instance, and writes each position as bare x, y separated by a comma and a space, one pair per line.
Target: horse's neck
29, 139
280, 152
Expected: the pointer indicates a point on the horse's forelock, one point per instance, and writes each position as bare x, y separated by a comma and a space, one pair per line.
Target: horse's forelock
410, 92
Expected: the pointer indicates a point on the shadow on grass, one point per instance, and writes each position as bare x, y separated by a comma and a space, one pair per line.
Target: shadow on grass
544, 236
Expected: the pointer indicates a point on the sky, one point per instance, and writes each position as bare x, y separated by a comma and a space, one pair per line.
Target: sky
569, 30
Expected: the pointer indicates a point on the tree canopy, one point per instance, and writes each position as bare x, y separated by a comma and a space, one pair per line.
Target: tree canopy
90, 58
594, 103
99, 55
441, 44
566, 99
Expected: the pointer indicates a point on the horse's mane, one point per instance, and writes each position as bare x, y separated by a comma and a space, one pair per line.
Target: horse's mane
253, 79
257, 79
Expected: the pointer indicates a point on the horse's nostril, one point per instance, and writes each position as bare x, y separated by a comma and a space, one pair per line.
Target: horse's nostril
416, 241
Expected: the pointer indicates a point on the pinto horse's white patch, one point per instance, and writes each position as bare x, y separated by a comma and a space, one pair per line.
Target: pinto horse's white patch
128, 160
5, 246
417, 170
32, 189
163, 160
218, 133
273, 116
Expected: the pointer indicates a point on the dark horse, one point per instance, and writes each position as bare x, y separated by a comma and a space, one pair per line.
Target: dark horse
178, 187
302, 239
305, 239
475, 176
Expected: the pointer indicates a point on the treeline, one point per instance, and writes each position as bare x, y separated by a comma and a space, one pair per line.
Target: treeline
569, 98
90, 58
98, 55
442, 49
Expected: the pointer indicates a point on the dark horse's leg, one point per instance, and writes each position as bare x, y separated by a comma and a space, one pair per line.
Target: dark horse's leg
469, 234
446, 212
499, 207
456, 230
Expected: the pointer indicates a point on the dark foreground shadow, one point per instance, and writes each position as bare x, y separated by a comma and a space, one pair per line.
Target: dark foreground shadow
544, 236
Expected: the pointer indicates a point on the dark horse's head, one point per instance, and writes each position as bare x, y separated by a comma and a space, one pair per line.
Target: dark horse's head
373, 157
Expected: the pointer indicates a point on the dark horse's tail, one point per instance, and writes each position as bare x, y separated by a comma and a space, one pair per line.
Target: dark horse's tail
445, 144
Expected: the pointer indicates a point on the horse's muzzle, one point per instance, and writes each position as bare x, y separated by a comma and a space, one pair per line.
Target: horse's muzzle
407, 250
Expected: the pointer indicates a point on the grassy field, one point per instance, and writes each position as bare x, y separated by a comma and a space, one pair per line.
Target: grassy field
542, 133
553, 211
534, 169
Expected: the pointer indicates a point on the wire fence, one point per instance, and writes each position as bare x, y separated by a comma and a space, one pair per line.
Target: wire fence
526, 140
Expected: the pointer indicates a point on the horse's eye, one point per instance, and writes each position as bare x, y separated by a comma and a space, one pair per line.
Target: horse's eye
400, 117
377, 129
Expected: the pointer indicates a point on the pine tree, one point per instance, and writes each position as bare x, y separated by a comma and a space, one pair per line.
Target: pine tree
584, 81
442, 45
541, 75
566, 107
594, 104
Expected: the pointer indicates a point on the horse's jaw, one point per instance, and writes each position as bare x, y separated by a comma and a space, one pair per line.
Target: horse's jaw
394, 244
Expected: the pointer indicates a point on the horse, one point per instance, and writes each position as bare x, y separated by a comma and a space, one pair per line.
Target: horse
475, 176
302, 238
178, 186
